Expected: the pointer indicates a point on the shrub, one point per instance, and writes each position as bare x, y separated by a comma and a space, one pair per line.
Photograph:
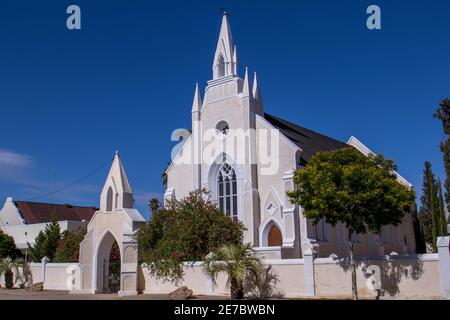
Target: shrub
185, 230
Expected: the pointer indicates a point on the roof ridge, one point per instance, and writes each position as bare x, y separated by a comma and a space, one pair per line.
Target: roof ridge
54, 204
301, 127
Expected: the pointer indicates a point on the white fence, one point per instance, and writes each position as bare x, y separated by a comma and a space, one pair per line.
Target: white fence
425, 275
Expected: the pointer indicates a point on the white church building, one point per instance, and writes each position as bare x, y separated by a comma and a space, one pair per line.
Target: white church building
254, 190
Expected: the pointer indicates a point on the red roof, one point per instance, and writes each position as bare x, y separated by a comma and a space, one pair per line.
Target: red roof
36, 212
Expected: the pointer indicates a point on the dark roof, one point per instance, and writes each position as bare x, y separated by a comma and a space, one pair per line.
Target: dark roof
36, 212
309, 141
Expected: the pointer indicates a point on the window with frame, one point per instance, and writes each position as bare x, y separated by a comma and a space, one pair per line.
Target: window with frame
227, 191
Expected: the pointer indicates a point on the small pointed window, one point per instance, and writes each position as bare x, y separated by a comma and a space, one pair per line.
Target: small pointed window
220, 66
109, 200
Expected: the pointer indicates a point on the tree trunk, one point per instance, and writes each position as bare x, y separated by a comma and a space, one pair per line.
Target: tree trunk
236, 290
353, 267
9, 283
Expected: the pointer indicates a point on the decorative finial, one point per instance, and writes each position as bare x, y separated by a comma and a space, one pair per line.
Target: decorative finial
117, 153
225, 11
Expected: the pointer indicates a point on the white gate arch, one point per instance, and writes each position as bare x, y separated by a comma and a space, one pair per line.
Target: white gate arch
116, 221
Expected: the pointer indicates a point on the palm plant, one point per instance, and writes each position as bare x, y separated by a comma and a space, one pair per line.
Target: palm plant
154, 205
6, 267
265, 288
25, 277
240, 263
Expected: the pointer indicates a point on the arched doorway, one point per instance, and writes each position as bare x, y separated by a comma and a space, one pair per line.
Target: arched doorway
108, 265
112, 270
274, 237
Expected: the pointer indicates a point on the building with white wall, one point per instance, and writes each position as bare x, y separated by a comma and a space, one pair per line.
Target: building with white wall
250, 179
23, 220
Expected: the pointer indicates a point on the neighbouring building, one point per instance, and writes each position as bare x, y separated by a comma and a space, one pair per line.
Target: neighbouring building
242, 189
23, 220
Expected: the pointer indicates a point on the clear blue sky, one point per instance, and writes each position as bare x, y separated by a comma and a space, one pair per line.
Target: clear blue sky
69, 99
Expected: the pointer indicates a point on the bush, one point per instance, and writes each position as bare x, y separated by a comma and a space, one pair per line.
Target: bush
46, 242
68, 249
185, 230
8, 247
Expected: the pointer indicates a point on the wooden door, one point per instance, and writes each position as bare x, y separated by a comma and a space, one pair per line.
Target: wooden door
274, 238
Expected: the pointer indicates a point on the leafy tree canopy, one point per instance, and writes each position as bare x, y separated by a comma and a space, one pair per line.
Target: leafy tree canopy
184, 230
8, 247
346, 186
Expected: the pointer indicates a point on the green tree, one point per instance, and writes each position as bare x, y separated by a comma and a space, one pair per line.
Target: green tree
418, 232
443, 114
8, 247
239, 262
68, 249
431, 210
46, 242
440, 218
344, 186
37, 251
184, 230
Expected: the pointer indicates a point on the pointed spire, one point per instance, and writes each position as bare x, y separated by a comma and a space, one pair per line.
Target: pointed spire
246, 87
118, 172
256, 92
224, 64
225, 36
117, 192
197, 103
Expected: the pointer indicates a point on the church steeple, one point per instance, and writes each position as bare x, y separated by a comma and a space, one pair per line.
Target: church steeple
225, 58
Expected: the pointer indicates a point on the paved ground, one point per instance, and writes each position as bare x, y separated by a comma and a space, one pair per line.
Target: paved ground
22, 294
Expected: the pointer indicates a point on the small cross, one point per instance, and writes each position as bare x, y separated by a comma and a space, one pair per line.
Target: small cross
225, 11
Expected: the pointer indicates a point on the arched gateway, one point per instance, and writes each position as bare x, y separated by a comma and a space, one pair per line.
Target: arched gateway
108, 253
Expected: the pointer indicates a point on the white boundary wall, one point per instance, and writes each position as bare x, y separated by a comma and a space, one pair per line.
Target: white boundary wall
426, 275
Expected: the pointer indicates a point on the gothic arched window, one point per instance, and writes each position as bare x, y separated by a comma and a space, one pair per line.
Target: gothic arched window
227, 187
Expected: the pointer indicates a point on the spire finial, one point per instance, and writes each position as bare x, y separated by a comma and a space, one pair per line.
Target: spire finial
197, 103
246, 87
117, 153
256, 92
